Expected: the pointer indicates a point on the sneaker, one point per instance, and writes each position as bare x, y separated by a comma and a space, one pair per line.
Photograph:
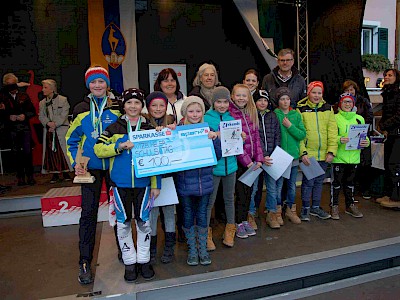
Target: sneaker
353, 211
54, 178
21, 182
305, 214
205, 259
131, 273
147, 271
31, 181
390, 203
251, 219
249, 230
381, 199
319, 212
335, 212
85, 273
66, 176
366, 195
241, 231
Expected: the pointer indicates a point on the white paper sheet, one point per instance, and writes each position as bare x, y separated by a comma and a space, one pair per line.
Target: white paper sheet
281, 160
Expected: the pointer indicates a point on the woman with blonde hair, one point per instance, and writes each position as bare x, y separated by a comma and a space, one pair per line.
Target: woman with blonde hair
53, 114
204, 83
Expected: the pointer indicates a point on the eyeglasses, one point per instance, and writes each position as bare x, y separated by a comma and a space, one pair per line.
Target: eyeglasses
285, 60
347, 101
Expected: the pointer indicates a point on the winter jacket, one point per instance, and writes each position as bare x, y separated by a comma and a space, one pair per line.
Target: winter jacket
81, 129
122, 171
225, 165
296, 84
390, 120
344, 120
22, 104
291, 137
270, 131
252, 151
198, 182
320, 124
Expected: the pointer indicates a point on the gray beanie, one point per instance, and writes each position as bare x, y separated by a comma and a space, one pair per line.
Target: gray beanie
282, 91
220, 92
190, 100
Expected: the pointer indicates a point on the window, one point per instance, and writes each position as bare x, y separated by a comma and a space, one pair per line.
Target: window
367, 41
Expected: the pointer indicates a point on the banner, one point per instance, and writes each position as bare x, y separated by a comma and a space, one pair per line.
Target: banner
167, 151
112, 40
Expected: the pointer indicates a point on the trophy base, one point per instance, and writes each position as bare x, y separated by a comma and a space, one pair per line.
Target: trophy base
88, 179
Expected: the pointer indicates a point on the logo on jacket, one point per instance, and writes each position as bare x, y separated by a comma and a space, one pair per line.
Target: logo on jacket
113, 45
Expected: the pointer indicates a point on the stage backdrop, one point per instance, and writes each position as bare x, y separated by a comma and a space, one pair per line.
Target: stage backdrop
335, 44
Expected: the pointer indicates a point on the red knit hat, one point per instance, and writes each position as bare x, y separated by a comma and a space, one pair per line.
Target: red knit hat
95, 73
314, 84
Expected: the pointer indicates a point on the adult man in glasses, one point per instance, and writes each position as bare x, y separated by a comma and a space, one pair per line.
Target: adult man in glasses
285, 74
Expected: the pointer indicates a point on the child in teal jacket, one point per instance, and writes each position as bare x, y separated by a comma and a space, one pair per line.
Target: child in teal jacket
225, 170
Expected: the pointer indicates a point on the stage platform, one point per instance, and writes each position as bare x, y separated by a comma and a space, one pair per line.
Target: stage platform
321, 258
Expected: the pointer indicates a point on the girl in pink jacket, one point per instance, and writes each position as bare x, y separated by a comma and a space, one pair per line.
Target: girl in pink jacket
242, 108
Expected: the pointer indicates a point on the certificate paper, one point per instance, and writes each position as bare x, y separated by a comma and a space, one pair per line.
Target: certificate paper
281, 161
313, 170
231, 137
166, 151
250, 175
357, 132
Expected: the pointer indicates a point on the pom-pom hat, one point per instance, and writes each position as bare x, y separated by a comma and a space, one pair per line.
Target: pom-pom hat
95, 73
258, 94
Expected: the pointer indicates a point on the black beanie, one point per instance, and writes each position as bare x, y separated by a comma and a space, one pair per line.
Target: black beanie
132, 93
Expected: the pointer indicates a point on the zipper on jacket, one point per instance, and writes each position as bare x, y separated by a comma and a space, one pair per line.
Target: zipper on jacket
225, 159
319, 136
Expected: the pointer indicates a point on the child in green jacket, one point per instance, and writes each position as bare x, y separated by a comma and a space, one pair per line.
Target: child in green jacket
292, 132
346, 161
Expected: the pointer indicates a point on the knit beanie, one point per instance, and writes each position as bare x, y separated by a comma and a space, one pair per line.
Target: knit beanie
132, 93
156, 95
282, 91
220, 92
258, 94
95, 73
190, 100
314, 84
344, 96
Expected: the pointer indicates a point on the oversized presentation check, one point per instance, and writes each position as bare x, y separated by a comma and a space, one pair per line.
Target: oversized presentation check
166, 151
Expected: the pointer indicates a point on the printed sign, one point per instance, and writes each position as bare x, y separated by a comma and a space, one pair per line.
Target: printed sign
166, 151
231, 137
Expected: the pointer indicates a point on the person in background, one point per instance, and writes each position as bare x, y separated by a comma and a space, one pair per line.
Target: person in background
390, 126
285, 74
167, 82
345, 162
204, 83
127, 189
252, 80
364, 171
90, 118
53, 114
194, 188
320, 142
18, 109
292, 132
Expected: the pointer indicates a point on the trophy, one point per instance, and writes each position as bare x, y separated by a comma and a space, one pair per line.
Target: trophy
83, 161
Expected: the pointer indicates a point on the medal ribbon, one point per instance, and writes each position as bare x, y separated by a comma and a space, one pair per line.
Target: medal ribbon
93, 108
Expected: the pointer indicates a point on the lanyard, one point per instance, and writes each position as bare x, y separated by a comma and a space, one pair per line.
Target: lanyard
95, 108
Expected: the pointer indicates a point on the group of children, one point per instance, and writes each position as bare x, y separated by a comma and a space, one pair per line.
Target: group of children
312, 130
